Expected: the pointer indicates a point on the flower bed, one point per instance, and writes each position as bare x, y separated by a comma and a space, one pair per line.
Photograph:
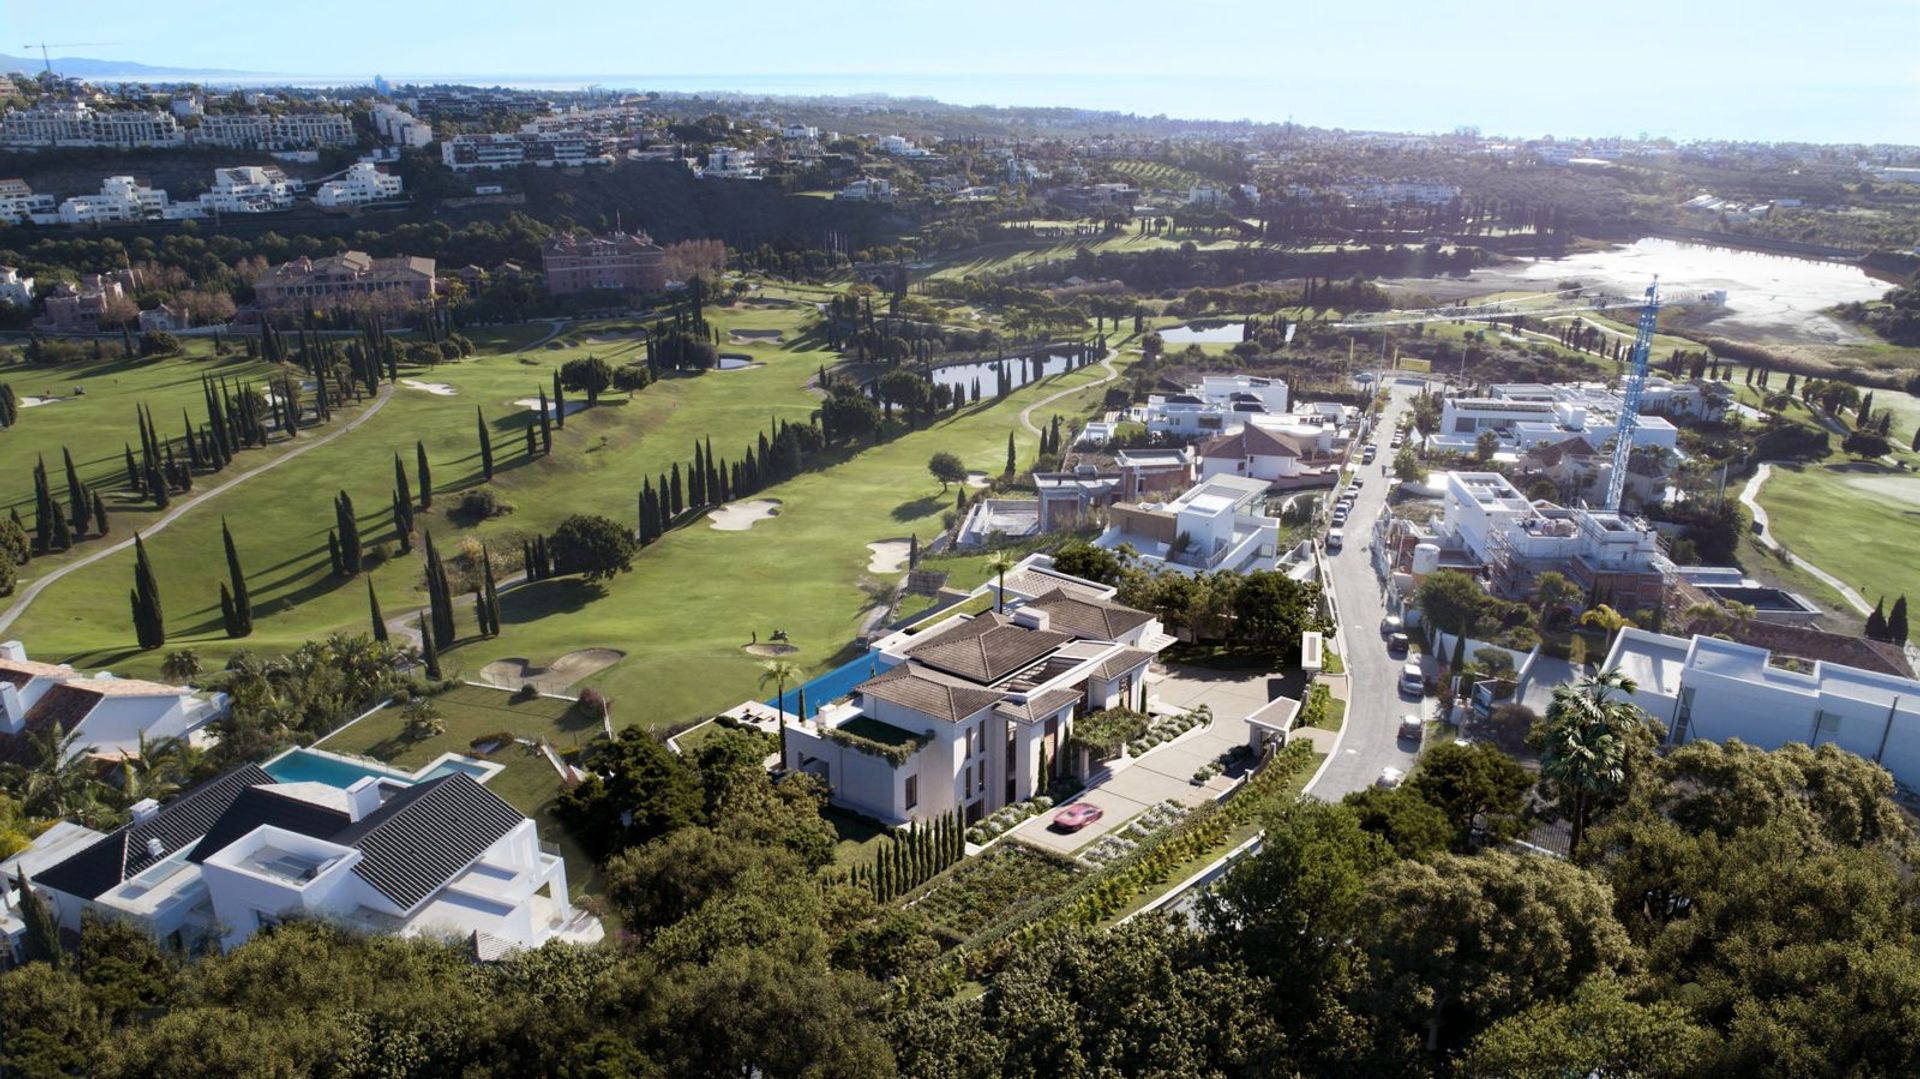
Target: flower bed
1107, 730
1005, 818
1221, 763
1112, 848
1167, 728
993, 889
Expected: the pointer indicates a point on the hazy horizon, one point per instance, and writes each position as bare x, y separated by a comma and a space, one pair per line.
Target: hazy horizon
1759, 71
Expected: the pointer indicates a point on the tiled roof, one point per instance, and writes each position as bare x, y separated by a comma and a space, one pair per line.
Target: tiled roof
1121, 662
420, 838
22, 671
62, 703
1034, 582
928, 693
986, 649
123, 853
1089, 618
1251, 441
1037, 708
129, 687
1572, 447
257, 806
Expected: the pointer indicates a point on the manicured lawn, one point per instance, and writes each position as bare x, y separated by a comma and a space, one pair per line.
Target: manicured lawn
859, 836
693, 600
474, 712
1857, 522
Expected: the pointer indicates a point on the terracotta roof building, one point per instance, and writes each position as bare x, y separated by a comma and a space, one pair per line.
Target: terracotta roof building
352, 279
612, 262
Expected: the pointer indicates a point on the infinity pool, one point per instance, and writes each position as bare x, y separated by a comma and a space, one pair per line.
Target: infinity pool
335, 770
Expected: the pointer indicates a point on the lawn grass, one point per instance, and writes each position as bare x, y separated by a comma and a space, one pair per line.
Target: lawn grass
857, 837
528, 782
692, 601
1864, 537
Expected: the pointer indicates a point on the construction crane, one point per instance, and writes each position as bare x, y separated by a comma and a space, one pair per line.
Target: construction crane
1630, 403
43, 47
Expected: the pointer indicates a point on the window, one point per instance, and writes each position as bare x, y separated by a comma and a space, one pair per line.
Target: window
1464, 426
913, 791
1826, 728
966, 781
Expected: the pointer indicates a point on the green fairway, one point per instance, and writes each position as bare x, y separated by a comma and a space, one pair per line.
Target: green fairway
694, 600
1856, 521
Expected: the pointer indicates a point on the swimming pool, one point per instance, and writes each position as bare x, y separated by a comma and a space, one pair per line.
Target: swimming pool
832, 685
335, 770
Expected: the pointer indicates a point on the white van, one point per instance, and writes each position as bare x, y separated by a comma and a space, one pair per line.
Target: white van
1413, 682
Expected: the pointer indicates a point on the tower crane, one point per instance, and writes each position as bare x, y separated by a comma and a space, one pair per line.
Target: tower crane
44, 46
1630, 403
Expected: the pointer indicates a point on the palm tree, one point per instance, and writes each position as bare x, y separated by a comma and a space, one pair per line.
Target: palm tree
1583, 742
999, 564
1607, 619
181, 666
780, 672
1555, 594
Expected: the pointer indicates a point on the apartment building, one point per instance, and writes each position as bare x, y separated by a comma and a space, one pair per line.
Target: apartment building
732, 163
961, 715
305, 130
19, 204
1524, 415
348, 280
440, 857
613, 261
121, 198
362, 183
81, 125
400, 127
1706, 688
546, 149
250, 189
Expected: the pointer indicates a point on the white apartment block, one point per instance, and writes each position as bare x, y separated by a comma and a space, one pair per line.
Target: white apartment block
83, 125
250, 189
15, 288
732, 163
18, 203
121, 198
400, 127
866, 189
1525, 415
1716, 690
547, 149
1372, 191
1218, 405
799, 131
362, 183
269, 131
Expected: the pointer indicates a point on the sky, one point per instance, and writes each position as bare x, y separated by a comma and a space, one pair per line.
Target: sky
1845, 70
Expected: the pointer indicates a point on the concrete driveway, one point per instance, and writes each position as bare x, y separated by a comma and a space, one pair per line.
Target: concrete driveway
1371, 740
1166, 772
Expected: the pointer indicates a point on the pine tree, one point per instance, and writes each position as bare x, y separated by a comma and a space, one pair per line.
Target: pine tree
241, 623
486, 445
429, 652
373, 612
426, 475
1897, 621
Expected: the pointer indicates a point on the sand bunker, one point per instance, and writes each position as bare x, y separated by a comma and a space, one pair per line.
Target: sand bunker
740, 516
532, 404
562, 672
26, 401
755, 335
737, 363
770, 650
979, 479
438, 389
889, 556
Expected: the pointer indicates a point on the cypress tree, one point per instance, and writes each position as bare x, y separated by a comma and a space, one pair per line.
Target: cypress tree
242, 621
78, 504
62, 533
1877, 621
333, 552
1897, 621
403, 521
426, 475
429, 652
559, 402
674, 501
402, 490
440, 594
351, 558
133, 471
373, 612
99, 515
1011, 463
149, 622
492, 592
486, 445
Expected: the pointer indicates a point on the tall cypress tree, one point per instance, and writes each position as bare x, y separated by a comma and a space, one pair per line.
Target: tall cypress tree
242, 620
149, 622
426, 475
486, 444
439, 595
373, 612
546, 422
351, 557
1897, 621
492, 592
79, 506
559, 402
99, 515
400, 485
403, 521
429, 652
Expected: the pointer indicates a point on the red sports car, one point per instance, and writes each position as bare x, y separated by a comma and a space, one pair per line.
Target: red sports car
1077, 816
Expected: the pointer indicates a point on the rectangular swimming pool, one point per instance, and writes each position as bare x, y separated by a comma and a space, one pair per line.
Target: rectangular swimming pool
335, 770
832, 685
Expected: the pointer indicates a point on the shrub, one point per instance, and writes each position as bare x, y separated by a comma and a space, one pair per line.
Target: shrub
158, 343
481, 503
527, 691
595, 703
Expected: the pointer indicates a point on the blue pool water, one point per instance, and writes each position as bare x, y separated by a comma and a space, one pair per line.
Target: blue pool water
307, 766
832, 685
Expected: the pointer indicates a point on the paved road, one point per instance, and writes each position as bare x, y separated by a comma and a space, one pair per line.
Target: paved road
40, 585
1750, 497
1026, 414
1371, 739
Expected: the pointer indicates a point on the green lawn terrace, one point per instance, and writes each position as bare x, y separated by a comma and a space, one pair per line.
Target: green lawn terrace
683, 616
504, 729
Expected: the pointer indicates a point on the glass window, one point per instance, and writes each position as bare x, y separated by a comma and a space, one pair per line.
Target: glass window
913, 791
966, 780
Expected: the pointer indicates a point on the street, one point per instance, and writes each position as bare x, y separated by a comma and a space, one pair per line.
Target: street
1371, 740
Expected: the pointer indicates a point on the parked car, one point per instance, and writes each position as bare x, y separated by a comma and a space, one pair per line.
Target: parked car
1336, 538
1077, 816
1413, 681
1367, 455
1391, 625
1358, 482
1412, 726
1390, 778
1397, 644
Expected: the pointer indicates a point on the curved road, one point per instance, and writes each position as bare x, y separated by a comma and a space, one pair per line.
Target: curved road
1026, 414
41, 584
1750, 498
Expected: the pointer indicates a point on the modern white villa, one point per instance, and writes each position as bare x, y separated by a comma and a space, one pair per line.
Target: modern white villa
101, 715
1525, 415
1714, 689
436, 856
965, 713
1282, 452
1219, 404
1220, 523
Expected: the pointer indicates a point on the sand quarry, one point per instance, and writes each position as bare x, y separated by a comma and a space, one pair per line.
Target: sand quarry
561, 673
889, 556
741, 516
438, 389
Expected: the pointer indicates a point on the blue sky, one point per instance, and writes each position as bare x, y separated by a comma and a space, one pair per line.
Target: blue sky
1841, 71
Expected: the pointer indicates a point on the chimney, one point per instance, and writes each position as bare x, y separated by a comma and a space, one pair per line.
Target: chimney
142, 809
13, 651
155, 848
13, 710
1032, 618
363, 797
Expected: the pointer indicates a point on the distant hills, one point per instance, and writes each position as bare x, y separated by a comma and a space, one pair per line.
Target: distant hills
81, 67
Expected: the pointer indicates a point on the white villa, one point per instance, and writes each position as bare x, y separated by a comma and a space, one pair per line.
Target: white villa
960, 715
438, 857
1218, 524
100, 716
1525, 415
1218, 405
1279, 454
361, 183
1714, 689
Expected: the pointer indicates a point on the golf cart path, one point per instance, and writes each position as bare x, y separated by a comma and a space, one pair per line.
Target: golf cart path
1750, 498
40, 585
1026, 414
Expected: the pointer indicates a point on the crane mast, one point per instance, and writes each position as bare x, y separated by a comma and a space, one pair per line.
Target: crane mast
1630, 403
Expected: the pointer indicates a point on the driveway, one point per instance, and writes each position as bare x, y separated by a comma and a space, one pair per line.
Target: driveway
1371, 740
1166, 772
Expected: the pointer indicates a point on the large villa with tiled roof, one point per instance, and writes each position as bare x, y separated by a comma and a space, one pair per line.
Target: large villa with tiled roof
963, 713
101, 716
